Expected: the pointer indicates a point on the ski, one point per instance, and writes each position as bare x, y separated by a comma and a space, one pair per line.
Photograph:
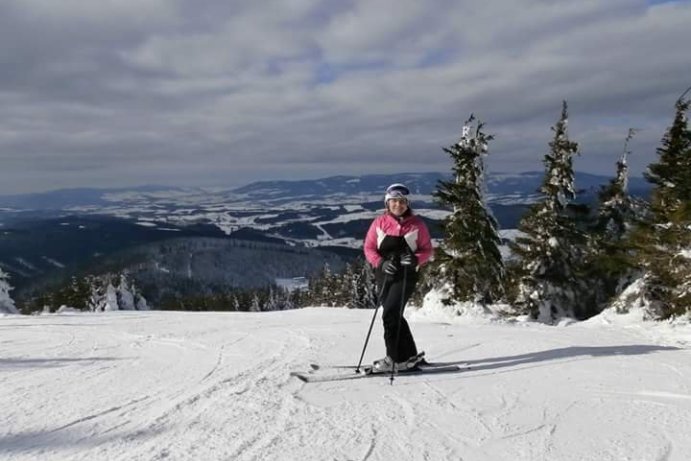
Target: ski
315, 367
419, 359
367, 372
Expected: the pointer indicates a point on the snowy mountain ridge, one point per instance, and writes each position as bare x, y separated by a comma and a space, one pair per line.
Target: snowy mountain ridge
335, 189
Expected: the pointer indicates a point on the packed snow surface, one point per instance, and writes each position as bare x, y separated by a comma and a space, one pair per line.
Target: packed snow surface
217, 386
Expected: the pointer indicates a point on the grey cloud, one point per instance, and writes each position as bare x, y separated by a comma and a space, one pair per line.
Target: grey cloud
201, 92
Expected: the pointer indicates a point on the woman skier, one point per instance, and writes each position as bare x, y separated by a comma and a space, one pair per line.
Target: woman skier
397, 243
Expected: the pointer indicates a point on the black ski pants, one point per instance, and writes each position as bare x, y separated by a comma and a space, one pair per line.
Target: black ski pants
393, 301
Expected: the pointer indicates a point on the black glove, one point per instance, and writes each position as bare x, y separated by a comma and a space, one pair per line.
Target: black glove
389, 267
409, 259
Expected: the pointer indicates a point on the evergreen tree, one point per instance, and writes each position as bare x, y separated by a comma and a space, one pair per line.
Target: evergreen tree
468, 264
322, 288
76, 293
97, 294
125, 295
342, 286
425, 284
272, 302
235, 303
362, 285
663, 241
288, 299
278, 299
256, 304
550, 245
140, 302
608, 262
299, 298
616, 209
110, 302
6, 303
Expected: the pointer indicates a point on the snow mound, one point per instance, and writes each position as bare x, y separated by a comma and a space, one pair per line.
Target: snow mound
632, 302
68, 310
433, 309
633, 311
676, 332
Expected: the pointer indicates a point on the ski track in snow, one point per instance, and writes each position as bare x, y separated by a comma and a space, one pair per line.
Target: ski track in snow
188, 386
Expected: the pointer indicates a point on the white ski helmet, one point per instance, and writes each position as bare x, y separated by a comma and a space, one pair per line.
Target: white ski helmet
397, 190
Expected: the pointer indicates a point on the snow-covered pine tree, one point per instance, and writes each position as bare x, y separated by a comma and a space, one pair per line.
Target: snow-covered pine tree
342, 283
6, 303
363, 286
550, 247
235, 303
617, 209
322, 287
256, 304
125, 295
468, 265
271, 303
97, 294
140, 302
110, 303
609, 269
299, 298
277, 299
287, 299
663, 241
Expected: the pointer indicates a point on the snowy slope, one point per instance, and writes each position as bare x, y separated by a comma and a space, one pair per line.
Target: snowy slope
193, 386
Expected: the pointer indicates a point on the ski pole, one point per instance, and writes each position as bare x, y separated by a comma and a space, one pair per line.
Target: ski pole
400, 320
369, 332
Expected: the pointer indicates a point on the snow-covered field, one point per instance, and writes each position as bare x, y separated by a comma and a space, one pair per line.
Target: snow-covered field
216, 386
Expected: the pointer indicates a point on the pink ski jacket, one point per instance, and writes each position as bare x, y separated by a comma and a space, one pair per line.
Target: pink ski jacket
412, 228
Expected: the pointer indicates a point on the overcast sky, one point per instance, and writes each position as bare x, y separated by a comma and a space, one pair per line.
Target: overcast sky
222, 93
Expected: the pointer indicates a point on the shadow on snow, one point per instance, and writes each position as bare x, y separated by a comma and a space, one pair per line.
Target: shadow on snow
493, 363
49, 362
